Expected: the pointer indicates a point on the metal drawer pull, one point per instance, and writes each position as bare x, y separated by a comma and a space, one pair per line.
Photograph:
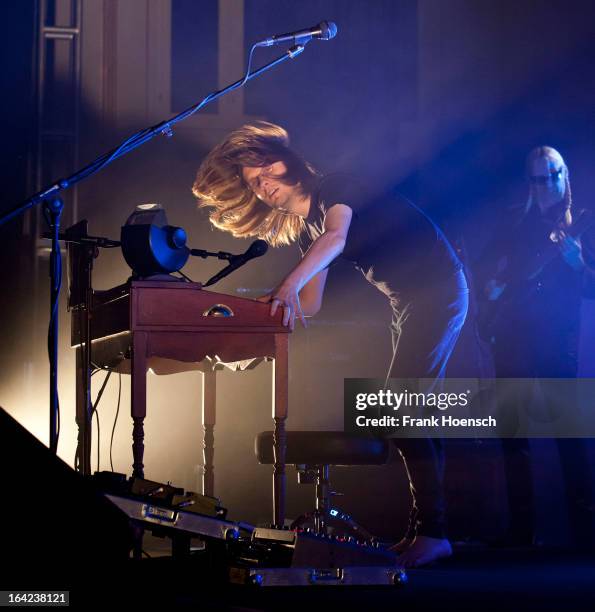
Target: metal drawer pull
218, 310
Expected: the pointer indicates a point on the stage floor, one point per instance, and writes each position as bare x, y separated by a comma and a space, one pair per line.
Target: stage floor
474, 578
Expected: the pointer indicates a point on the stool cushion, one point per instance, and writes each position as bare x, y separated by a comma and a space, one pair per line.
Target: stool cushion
324, 448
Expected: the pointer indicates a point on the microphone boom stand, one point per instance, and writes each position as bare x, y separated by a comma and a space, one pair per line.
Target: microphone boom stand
53, 208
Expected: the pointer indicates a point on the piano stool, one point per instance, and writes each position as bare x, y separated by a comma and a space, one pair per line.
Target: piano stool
312, 452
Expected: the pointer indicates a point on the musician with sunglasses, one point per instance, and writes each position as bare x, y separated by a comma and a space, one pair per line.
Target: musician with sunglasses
256, 185
540, 267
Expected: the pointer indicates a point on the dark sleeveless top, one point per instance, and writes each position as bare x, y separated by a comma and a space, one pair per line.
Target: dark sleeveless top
397, 247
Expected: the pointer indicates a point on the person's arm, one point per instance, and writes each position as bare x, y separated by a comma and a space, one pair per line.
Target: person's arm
312, 292
578, 254
572, 251
305, 280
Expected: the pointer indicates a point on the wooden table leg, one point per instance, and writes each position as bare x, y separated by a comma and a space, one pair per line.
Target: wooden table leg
138, 400
280, 400
209, 395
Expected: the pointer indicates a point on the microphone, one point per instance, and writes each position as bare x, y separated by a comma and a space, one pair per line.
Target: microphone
325, 30
257, 249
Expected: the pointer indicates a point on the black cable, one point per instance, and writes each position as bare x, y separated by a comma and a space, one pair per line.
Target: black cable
248, 66
98, 436
132, 141
99, 367
94, 411
77, 459
186, 278
115, 420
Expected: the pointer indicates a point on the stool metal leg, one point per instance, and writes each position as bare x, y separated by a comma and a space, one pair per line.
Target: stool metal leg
325, 518
323, 502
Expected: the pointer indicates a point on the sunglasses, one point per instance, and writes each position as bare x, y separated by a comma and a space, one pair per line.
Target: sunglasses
542, 180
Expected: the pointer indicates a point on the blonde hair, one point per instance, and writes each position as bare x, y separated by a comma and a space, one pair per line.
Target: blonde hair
550, 153
236, 209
